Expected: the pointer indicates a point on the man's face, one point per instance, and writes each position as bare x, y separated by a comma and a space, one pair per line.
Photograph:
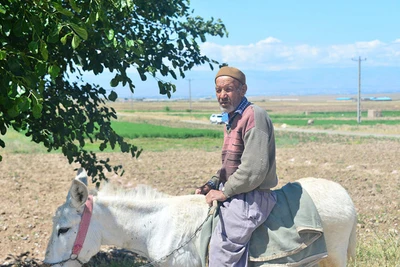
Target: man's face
229, 92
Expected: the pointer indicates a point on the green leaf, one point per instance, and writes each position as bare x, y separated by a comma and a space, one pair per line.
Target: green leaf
6, 27
142, 75
130, 43
30, 79
37, 110
15, 66
161, 86
75, 41
13, 111
74, 6
90, 127
79, 31
92, 18
3, 54
102, 146
35, 24
41, 85
24, 103
3, 129
40, 69
43, 50
62, 10
33, 47
124, 147
115, 81
64, 39
110, 34
172, 74
18, 28
112, 96
54, 71
53, 36
203, 38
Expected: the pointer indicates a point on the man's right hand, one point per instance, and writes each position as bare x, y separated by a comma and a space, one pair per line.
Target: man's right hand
215, 195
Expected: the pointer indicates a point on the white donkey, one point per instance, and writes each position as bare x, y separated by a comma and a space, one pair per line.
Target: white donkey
163, 228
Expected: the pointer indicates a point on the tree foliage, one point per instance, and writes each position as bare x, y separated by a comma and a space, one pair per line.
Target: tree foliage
46, 46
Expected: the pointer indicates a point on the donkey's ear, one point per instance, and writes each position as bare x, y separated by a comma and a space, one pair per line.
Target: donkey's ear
78, 193
82, 176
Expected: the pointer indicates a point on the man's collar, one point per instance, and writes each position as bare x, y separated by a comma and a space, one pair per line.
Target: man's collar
242, 106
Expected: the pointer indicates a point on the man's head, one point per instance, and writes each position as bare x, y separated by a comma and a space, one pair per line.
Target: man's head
230, 88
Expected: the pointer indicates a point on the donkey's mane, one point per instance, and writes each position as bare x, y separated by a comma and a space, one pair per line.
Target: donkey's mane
139, 192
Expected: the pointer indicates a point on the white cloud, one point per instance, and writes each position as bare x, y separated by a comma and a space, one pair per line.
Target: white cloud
273, 54
269, 40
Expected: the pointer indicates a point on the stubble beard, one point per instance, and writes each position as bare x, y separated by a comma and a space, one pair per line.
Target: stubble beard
228, 109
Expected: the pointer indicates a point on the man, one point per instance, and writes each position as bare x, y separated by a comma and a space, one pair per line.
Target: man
242, 185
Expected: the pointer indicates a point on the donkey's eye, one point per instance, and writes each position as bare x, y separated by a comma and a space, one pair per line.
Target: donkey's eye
62, 231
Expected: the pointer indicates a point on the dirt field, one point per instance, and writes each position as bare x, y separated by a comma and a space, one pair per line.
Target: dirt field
32, 186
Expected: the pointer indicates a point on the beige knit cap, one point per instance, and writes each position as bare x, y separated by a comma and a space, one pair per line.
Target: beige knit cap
232, 72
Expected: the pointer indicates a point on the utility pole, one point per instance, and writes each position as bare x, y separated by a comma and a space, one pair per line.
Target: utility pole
190, 95
359, 88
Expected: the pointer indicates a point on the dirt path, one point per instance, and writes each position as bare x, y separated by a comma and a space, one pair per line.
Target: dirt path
338, 132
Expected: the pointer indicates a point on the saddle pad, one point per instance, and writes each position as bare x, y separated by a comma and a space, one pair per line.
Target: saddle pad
291, 236
292, 233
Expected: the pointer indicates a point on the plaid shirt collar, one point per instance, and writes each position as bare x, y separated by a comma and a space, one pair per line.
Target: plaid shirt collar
242, 106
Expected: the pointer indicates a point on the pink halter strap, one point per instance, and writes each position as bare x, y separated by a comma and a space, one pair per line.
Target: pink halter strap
83, 227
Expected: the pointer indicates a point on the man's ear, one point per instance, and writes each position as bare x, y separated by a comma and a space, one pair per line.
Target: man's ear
244, 89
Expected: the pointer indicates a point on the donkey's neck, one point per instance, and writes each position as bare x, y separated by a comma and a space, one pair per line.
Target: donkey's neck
151, 228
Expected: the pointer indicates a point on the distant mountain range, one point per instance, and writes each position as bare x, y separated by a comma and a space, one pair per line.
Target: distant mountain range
322, 81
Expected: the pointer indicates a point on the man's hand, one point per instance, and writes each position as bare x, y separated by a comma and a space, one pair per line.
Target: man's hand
215, 195
197, 191
203, 190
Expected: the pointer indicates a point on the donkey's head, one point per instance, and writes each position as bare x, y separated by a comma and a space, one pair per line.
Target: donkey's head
62, 248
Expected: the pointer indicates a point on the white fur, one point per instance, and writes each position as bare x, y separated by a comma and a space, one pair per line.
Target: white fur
153, 224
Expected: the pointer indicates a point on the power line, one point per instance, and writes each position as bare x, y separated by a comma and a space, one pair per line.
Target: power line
190, 94
359, 88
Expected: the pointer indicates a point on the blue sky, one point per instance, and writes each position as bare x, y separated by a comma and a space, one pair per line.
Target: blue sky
297, 47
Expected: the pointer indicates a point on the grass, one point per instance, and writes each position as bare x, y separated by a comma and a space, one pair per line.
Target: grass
383, 250
144, 130
18, 143
329, 120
